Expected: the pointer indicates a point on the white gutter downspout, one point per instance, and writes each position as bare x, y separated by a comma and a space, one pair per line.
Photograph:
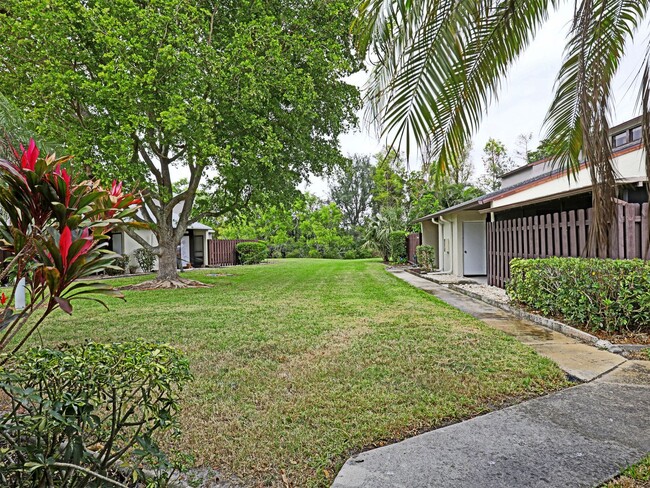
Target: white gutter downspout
442, 219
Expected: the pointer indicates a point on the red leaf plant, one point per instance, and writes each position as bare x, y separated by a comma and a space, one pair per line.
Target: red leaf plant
55, 228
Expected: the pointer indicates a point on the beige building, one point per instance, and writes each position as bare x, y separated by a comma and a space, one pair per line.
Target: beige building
460, 234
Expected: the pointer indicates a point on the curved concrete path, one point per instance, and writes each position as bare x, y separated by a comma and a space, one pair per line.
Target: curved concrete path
578, 437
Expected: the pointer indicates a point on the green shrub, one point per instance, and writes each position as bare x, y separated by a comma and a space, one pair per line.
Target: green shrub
79, 413
426, 256
294, 254
145, 258
397, 242
611, 295
350, 254
120, 265
252, 252
314, 253
364, 253
332, 254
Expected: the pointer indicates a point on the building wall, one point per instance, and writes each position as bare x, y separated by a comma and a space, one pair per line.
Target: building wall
130, 245
629, 166
451, 240
430, 238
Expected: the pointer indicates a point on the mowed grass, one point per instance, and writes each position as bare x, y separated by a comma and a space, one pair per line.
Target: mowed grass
300, 363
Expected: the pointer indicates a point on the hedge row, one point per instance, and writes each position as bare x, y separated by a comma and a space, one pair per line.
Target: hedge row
252, 252
607, 294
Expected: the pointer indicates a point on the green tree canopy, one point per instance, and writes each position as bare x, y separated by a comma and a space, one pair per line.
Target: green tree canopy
242, 98
351, 189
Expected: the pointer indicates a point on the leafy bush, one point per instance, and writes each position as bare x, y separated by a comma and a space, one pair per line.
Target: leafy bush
398, 251
332, 254
314, 253
294, 254
350, 254
426, 256
364, 253
252, 252
145, 258
79, 413
121, 262
607, 294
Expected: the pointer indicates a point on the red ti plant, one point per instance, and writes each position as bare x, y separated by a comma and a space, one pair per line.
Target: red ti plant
55, 228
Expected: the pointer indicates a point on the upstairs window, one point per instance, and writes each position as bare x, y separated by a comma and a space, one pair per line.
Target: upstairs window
620, 139
630, 136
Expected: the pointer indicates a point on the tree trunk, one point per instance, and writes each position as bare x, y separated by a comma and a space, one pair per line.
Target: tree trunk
167, 263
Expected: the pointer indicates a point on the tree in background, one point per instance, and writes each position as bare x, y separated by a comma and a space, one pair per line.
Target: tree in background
497, 163
248, 93
351, 189
543, 151
389, 180
522, 147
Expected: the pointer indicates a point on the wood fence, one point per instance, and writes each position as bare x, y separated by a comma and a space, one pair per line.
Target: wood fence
563, 234
222, 252
413, 240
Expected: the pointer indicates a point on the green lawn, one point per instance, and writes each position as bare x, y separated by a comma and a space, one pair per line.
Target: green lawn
300, 363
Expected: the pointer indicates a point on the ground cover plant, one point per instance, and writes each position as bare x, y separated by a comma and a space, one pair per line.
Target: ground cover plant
299, 363
594, 294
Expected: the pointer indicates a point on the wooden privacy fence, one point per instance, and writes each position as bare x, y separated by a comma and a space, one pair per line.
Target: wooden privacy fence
563, 234
223, 252
413, 240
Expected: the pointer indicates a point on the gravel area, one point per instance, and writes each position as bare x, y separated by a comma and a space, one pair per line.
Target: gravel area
493, 292
447, 278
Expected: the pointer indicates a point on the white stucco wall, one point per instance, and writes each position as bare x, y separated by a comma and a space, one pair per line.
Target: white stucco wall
430, 238
450, 232
130, 245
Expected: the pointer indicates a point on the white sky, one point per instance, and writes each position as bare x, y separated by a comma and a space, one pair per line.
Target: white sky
525, 96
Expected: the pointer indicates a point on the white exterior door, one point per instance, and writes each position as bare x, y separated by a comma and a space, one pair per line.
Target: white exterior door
474, 250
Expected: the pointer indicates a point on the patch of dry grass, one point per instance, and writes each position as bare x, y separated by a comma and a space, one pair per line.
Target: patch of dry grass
300, 363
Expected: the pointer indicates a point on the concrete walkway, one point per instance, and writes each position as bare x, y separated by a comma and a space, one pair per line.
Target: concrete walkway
581, 361
578, 437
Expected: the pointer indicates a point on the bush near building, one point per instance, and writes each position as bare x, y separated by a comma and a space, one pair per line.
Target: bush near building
606, 294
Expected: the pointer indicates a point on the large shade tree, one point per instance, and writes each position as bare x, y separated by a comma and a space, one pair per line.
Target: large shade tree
439, 64
242, 98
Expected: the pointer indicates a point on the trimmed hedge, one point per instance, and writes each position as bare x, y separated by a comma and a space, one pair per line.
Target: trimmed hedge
426, 256
252, 252
397, 244
606, 294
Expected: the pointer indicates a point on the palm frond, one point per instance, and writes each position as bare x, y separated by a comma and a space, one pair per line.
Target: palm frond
440, 64
577, 121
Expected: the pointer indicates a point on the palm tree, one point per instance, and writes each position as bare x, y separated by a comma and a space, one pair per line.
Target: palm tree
439, 63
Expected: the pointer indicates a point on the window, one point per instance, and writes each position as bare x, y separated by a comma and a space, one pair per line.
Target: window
619, 139
636, 134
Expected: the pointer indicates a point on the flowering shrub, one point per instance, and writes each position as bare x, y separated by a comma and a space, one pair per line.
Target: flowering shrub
608, 294
55, 228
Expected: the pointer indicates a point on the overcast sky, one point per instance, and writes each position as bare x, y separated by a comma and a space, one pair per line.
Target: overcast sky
525, 96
